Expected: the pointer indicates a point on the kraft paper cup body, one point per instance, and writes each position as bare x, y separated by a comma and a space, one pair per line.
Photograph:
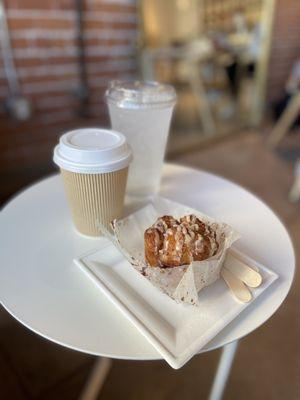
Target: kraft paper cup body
94, 197
95, 184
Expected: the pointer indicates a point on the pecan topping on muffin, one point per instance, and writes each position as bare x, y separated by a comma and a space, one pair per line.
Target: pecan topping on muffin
171, 243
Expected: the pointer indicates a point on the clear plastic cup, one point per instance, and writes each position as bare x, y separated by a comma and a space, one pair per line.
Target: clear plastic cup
142, 111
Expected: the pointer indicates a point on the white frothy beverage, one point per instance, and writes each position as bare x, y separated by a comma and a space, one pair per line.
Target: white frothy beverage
142, 111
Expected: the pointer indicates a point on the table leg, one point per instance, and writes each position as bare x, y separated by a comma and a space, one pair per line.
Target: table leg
96, 379
223, 371
295, 191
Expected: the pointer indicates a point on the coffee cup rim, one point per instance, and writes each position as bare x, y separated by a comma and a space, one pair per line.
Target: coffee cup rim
92, 151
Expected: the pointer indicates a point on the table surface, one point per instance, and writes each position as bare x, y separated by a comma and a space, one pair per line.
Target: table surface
42, 288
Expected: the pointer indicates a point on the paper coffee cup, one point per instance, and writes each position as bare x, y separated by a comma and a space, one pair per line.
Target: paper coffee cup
94, 167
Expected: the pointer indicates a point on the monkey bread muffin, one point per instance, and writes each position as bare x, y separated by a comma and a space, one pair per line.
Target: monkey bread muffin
171, 243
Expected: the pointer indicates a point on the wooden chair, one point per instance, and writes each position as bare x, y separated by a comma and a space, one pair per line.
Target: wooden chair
188, 59
282, 127
286, 121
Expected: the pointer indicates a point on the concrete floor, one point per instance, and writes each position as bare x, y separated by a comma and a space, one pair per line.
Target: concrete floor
268, 360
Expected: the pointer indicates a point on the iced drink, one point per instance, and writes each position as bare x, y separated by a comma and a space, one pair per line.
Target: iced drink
142, 111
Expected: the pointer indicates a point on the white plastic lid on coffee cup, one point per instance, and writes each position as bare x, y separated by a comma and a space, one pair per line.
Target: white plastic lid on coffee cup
92, 151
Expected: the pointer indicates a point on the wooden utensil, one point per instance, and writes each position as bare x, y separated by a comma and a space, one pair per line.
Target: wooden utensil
242, 271
237, 287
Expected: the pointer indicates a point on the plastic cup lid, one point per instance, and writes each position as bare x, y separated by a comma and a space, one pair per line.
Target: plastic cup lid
140, 94
92, 150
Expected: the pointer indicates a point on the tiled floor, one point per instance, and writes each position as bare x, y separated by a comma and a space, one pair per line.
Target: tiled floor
268, 361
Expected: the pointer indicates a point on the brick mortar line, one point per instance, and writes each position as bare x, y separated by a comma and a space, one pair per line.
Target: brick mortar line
71, 51
69, 84
106, 16
65, 69
69, 33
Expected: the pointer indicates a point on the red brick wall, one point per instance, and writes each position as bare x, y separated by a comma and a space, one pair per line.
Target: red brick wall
44, 46
285, 46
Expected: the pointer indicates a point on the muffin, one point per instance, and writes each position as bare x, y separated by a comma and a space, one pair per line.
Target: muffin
171, 243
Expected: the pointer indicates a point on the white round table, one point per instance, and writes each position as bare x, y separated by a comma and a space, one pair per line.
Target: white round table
42, 288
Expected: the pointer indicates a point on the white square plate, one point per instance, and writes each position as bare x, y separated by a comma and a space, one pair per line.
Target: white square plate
177, 331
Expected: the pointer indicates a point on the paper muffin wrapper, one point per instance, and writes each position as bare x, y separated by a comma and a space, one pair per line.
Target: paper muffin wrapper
180, 283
